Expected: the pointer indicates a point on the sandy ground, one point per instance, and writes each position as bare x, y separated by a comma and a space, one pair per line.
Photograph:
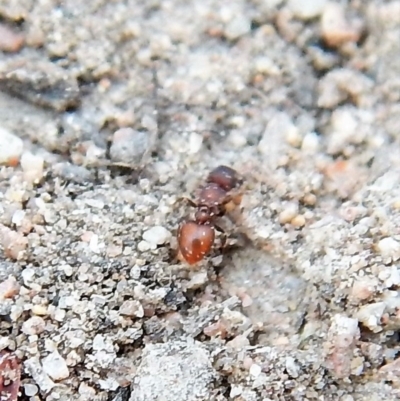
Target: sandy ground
302, 98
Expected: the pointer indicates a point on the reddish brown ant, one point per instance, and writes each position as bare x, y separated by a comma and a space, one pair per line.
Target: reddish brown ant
196, 237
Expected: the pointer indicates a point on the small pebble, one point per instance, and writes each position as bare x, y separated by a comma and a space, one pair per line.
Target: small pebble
306, 10
246, 300
114, 250
130, 146
33, 326
255, 370
13, 243
131, 308
157, 235
237, 139
273, 145
310, 143
197, 280
340, 344
363, 289
35, 369
239, 342
240, 25
30, 389
289, 213
9, 288
235, 391
16, 312
39, 310
264, 65
347, 397
18, 217
215, 329
86, 391
33, 166
390, 371
292, 367
293, 138
370, 315
143, 246
95, 203
195, 142
10, 41
334, 27
11, 147
298, 221
389, 248
310, 199
59, 315
27, 275
110, 384
55, 366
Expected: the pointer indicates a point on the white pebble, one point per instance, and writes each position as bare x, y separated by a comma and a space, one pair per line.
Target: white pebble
143, 246
18, 217
55, 366
197, 280
33, 326
264, 65
344, 130
95, 203
389, 248
39, 310
157, 235
335, 29
394, 278
273, 144
8, 288
86, 391
255, 370
236, 390
33, 166
291, 367
306, 10
35, 370
130, 146
310, 142
102, 343
370, 315
30, 389
195, 142
59, 315
109, 384
11, 147
289, 212
238, 26
237, 139
131, 308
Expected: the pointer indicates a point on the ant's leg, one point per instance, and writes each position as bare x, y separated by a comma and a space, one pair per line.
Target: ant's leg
223, 236
186, 199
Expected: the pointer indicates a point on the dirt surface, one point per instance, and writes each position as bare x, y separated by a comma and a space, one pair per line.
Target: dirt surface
110, 111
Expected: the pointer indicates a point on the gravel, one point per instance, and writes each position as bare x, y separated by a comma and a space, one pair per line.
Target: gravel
111, 112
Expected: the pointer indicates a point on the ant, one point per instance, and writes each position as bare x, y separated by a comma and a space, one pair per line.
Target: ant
196, 237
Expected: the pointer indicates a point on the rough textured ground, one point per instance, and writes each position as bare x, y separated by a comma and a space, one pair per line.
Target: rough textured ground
302, 100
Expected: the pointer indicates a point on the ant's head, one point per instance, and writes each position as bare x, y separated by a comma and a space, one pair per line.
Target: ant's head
203, 215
